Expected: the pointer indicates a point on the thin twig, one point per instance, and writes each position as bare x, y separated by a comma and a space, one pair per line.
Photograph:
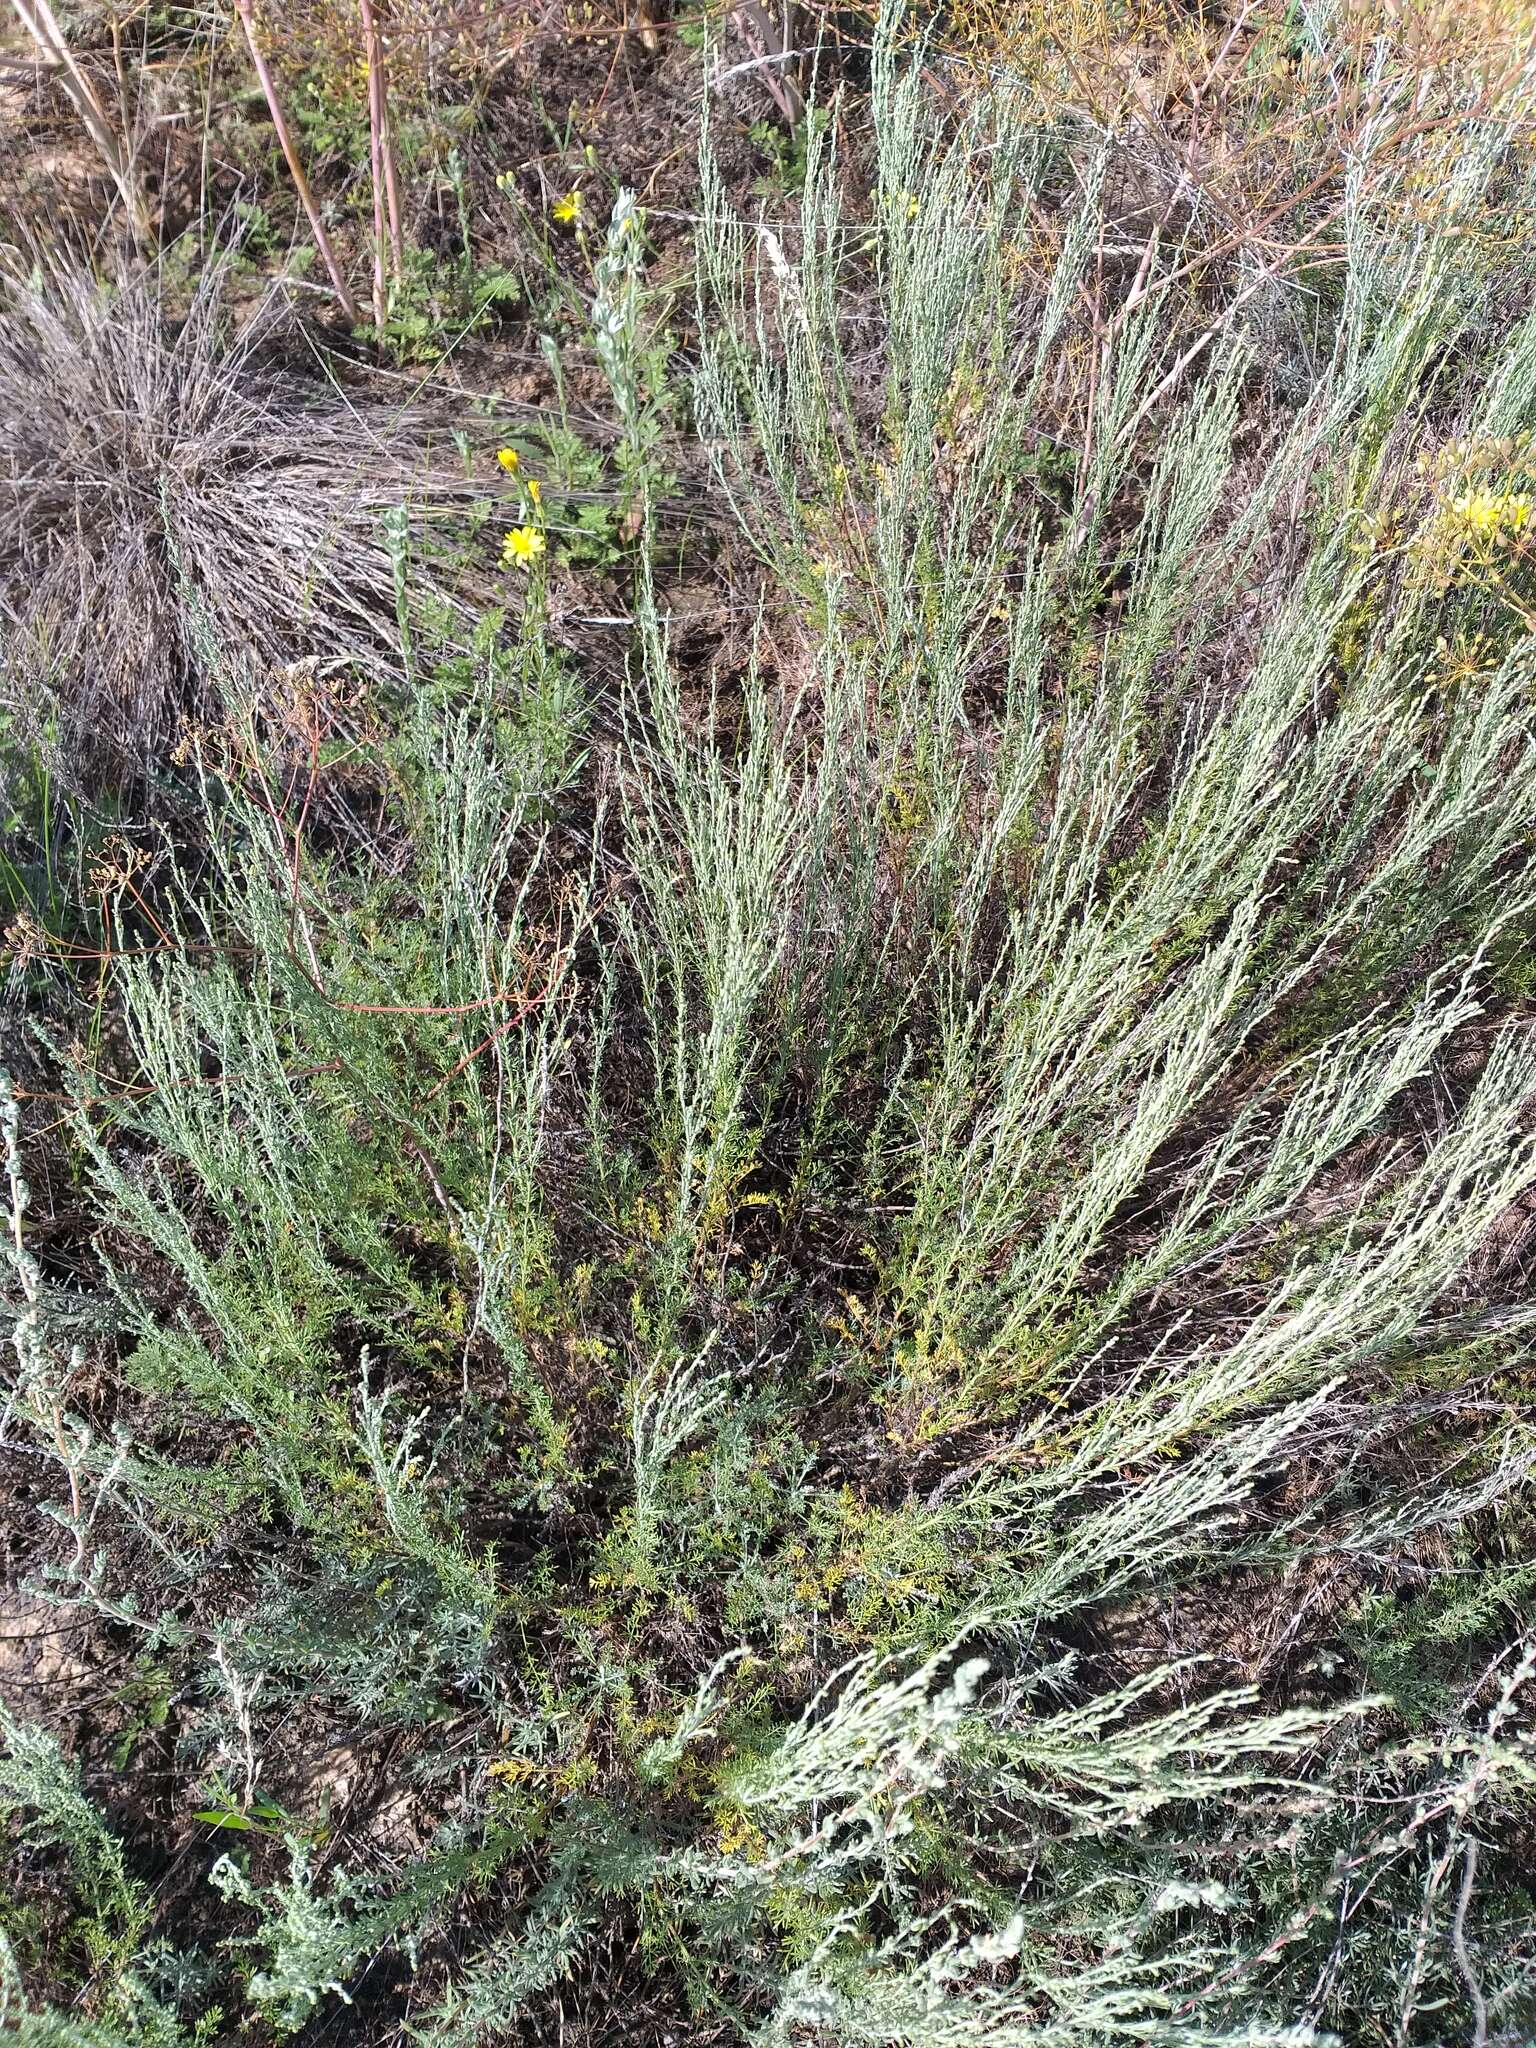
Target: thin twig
1459, 1949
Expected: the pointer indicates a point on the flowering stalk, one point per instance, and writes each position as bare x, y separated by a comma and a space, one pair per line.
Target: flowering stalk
616, 340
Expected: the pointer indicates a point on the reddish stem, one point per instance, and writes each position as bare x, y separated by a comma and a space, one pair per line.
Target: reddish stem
295, 169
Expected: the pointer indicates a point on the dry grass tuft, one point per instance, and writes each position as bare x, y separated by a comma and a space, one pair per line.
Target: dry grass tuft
186, 510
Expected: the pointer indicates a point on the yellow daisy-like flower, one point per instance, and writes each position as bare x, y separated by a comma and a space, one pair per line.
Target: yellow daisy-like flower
1492, 515
568, 208
522, 547
534, 489
508, 458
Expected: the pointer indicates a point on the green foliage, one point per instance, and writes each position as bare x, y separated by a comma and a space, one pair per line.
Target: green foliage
439, 301
786, 152
37, 1783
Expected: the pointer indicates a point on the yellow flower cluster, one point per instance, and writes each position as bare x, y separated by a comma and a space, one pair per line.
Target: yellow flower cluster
1494, 518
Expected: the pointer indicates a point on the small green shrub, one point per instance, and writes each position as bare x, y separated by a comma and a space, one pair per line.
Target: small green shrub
825, 1349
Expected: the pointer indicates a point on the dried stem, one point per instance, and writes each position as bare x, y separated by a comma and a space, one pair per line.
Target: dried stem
382, 143
38, 19
295, 169
375, 161
774, 50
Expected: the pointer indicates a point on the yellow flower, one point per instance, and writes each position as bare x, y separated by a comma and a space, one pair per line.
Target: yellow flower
568, 208
508, 458
513, 1770
534, 489
1491, 515
522, 546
